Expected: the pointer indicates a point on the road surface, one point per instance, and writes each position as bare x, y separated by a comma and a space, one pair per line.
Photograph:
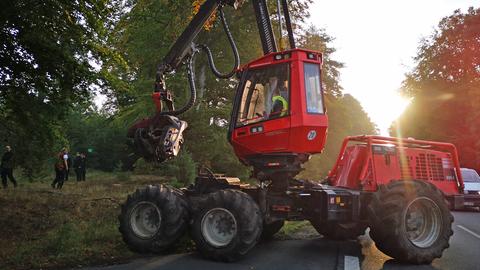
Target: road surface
318, 253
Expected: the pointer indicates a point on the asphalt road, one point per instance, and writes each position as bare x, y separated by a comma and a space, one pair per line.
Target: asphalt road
464, 253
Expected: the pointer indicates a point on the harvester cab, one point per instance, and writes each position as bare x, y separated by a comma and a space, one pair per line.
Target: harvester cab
279, 118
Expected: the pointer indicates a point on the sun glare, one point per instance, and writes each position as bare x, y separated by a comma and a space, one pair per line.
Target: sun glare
385, 108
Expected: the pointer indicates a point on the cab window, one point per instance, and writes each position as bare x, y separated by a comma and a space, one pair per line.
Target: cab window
313, 88
265, 95
470, 176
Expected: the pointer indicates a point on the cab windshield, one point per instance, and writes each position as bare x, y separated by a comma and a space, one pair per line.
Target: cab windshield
470, 176
265, 95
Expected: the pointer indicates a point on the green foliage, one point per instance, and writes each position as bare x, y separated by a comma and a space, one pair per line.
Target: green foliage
99, 132
182, 168
444, 86
50, 58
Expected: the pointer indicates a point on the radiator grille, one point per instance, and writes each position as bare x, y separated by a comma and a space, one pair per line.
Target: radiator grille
405, 168
429, 167
435, 167
369, 175
421, 167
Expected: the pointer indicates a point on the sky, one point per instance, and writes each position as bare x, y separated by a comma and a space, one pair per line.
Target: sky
377, 40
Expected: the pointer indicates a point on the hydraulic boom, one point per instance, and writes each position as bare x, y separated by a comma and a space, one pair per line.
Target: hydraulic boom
159, 137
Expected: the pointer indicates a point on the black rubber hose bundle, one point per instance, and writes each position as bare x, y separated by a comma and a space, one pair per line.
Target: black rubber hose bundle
232, 45
193, 88
191, 71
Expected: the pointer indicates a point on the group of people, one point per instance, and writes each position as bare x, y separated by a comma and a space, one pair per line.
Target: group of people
64, 163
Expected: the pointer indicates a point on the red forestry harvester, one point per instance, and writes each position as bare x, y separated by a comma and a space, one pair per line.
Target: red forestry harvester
398, 188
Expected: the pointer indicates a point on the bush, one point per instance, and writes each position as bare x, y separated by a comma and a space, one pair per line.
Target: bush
182, 169
144, 167
123, 176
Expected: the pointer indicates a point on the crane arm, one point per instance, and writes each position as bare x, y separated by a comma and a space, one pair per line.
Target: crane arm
183, 51
159, 137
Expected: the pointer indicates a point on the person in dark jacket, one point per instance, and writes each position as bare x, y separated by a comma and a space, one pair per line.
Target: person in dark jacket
6, 167
77, 165
83, 166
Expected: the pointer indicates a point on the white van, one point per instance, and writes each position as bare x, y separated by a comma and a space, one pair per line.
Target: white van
471, 180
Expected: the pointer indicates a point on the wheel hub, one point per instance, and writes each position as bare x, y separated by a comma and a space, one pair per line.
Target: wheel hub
145, 220
219, 227
423, 221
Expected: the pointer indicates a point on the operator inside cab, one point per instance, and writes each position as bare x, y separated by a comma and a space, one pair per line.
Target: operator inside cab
279, 98
265, 95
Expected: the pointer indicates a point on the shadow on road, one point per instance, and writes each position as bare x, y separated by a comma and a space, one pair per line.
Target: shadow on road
289, 255
392, 264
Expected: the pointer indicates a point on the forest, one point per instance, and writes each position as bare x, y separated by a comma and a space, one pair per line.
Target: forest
78, 74
57, 63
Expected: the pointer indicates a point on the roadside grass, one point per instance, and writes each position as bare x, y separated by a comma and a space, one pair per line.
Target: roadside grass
292, 230
43, 228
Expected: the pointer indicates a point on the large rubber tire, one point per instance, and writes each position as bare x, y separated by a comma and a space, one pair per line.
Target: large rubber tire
153, 218
269, 230
335, 231
227, 225
418, 207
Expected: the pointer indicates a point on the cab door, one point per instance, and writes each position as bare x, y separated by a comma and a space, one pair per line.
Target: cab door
260, 123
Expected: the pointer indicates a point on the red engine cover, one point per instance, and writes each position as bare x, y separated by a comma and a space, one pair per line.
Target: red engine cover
373, 160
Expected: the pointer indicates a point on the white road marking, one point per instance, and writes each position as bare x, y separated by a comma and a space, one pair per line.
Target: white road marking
351, 263
469, 231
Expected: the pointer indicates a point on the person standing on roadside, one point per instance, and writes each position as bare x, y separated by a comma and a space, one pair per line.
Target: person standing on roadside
6, 167
61, 166
69, 163
84, 166
77, 166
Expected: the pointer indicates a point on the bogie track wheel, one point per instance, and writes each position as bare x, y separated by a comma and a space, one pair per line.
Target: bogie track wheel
227, 225
153, 218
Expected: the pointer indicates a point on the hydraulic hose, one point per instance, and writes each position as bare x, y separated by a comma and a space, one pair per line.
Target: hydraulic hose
191, 72
232, 45
193, 88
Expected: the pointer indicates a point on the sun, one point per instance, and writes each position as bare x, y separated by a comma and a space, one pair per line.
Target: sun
385, 108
